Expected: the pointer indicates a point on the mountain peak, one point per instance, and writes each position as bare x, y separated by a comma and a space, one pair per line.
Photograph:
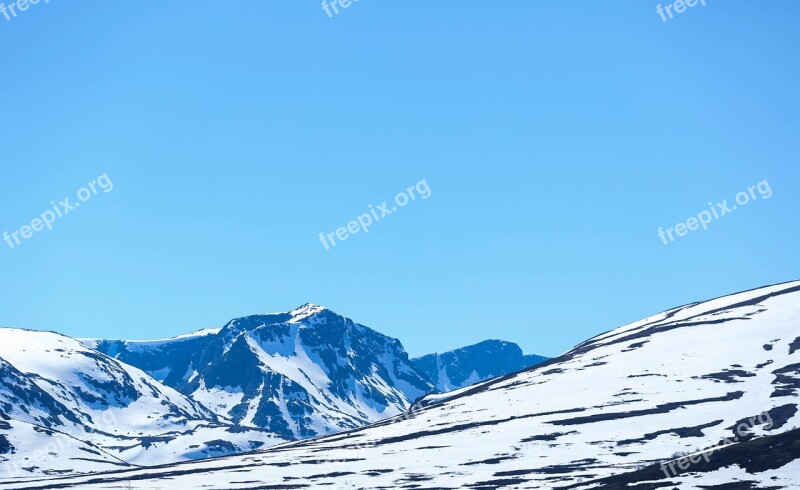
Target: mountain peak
305, 311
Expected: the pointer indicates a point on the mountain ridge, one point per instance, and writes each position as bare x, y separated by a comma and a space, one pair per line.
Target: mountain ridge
676, 382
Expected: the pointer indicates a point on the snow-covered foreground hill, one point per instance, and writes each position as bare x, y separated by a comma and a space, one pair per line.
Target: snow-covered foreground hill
676, 382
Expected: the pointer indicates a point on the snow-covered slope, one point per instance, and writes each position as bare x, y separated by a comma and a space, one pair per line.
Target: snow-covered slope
675, 382
55, 382
469, 365
92, 384
27, 449
298, 374
770, 462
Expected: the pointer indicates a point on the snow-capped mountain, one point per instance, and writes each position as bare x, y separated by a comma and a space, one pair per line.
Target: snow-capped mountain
91, 384
677, 382
53, 387
298, 374
469, 365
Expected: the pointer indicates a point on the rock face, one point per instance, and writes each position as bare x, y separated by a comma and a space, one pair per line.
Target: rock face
156, 357
297, 374
469, 365
615, 407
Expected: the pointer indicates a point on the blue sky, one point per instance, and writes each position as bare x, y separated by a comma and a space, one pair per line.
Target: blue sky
555, 138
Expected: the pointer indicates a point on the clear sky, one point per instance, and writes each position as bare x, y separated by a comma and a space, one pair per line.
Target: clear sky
555, 139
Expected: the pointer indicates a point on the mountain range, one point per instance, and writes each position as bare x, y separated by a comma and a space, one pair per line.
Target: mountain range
258, 381
704, 395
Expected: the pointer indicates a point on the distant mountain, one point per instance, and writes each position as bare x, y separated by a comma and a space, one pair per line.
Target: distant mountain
298, 374
606, 414
469, 365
